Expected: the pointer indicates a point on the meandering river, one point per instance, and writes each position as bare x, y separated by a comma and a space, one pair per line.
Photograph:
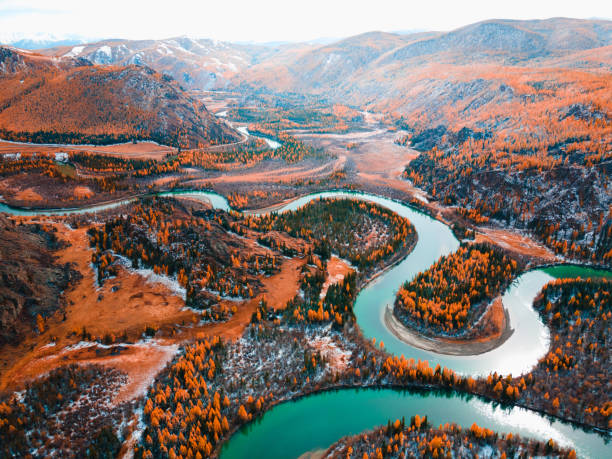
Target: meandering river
271, 142
316, 421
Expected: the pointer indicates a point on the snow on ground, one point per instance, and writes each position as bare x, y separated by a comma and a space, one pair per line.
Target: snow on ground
334, 279
336, 358
81, 345
332, 58
105, 50
178, 46
136, 434
151, 276
163, 48
77, 50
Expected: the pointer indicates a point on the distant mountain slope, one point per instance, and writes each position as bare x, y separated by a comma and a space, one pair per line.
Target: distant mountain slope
36, 40
70, 100
512, 41
194, 63
362, 67
459, 76
323, 69
333, 63
378, 66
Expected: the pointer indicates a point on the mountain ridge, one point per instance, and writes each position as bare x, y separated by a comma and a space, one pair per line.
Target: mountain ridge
71, 100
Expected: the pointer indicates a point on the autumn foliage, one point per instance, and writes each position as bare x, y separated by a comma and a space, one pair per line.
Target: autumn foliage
516, 161
362, 232
44, 101
420, 439
443, 299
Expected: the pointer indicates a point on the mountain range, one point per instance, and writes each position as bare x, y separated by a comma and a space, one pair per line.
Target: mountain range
210, 64
453, 78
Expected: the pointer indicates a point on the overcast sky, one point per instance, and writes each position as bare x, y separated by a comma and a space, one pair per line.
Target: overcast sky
268, 20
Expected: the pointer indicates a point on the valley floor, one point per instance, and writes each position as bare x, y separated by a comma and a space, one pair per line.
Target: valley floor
134, 301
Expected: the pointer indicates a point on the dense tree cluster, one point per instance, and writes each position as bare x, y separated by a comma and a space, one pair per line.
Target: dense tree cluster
80, 138
291, 150
421, 440
251, 198
99, 173
110, 165
362, 232
184, 416
534, 156
314, 116
365, 233
61, 413
404, 140
521, 198
335, 307
214, 387
445, 298
11, 166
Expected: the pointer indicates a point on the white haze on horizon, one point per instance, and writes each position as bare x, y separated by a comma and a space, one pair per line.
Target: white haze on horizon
264, 20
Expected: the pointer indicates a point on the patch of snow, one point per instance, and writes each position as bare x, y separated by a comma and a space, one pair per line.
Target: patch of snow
180, 48
77, 50
331, 280
219, 64
170, 351
136, 434
136, 59
61, 157
105, 50
79, 345
421, 198
19, 395
486, 451
331, 59
151, 276
163, 48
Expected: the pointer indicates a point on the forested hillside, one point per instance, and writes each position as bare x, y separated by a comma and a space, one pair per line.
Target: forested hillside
42, 101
